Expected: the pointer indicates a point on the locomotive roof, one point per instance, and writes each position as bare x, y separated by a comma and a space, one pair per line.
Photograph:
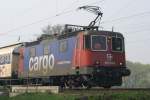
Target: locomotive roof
90, 32
10, 45
74, 33
111, 33
72, 30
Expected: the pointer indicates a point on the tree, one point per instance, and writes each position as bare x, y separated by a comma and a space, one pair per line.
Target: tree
56, 29
139, 76
47, 30
50, 31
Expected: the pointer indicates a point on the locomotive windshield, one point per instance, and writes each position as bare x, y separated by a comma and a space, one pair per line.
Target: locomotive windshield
98, 42
117, 44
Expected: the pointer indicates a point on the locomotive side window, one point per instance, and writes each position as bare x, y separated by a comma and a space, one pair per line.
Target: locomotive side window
46, 50
98, 43
117, 44
87, 43
32, 52
63, 46
78, 43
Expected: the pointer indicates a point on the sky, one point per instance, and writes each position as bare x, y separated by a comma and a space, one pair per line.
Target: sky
26, 19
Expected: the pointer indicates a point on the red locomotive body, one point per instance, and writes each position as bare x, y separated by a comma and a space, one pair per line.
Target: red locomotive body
101, 54
105, 54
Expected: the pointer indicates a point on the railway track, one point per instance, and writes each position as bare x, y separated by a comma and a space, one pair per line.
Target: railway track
97, 91
84, 91
111, 89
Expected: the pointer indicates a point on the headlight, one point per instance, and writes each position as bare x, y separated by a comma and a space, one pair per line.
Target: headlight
121, 64
97, 62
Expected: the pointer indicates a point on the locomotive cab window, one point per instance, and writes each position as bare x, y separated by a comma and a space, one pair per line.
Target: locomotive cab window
32, 52
117, 44
98, 43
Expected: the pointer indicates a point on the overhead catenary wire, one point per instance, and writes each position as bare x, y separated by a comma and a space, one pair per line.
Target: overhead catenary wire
65, 11
27, 10
138, 41
136, 25
45, 19
126, 17
127, 4
70, 5
85, 3
69, 11
137, 31
39, 21
99, 1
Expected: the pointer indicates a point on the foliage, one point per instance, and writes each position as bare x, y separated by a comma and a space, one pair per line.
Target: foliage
53, 29
50, 31
136, 95
38, 96
140, 76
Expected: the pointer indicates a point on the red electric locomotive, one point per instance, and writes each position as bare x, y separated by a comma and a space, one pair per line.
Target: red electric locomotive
99, 57
100, 54
81, 56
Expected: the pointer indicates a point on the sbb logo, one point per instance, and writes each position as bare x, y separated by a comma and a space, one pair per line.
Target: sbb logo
42, 62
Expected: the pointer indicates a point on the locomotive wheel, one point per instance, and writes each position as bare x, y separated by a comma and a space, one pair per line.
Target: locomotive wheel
70, 83
86, 85
89, 86
107, 86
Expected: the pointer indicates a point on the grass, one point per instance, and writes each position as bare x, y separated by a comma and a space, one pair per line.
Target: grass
139, 95
38, 96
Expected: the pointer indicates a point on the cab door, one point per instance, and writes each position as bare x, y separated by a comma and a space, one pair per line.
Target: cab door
78, 50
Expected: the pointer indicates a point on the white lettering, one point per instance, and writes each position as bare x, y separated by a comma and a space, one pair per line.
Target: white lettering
36, 63
41, 63
51, 61
31, 64
45, 60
